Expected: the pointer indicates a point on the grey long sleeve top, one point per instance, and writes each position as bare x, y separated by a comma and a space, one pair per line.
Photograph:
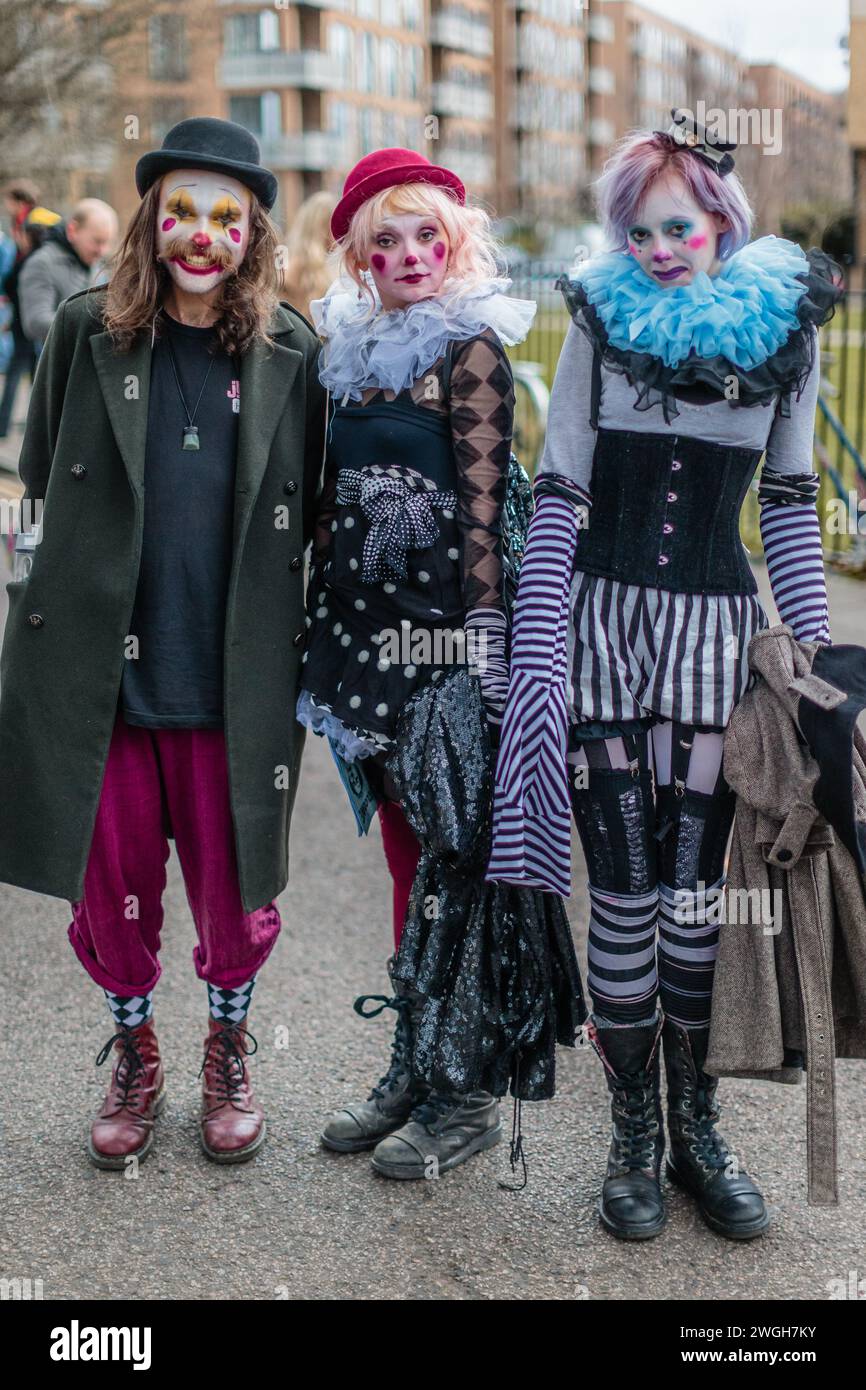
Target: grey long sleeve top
570, 440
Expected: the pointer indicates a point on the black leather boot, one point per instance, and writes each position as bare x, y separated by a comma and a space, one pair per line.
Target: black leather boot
361, 1124
699, 1159
631, 1204
442, 1131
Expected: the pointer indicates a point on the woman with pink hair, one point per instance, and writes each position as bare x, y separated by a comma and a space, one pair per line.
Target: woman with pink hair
407, 561
691, 353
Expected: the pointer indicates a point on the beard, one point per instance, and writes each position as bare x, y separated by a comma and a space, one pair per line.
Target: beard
214, 255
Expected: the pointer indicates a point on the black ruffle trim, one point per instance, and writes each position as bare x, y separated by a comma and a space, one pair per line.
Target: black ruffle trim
786, 371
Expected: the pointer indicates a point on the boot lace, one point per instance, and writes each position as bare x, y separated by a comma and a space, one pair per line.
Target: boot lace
400, 1046
435, 1106
231, 1044
708, 1146
130, 1068
637, 1127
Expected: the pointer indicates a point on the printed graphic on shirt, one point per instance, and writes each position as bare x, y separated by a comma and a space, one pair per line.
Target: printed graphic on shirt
234, 395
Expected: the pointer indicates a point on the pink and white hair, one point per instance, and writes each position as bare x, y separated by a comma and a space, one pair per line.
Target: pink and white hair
643, 157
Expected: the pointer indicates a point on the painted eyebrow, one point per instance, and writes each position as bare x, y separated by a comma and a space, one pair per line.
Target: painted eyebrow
389, 226
231, 193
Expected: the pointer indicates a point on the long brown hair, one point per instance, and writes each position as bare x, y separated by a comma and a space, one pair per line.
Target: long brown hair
139, 281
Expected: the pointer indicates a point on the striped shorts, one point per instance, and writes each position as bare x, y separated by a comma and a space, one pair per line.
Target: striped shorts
635, 651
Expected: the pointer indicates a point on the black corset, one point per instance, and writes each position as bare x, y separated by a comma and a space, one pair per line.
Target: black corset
666, 511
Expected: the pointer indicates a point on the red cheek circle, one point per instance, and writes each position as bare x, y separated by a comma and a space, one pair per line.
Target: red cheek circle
696, 242
632, 250
234, 234
168, 224
378, 261
439, 250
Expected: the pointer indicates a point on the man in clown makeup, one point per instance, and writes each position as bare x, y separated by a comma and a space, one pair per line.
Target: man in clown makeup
173, 448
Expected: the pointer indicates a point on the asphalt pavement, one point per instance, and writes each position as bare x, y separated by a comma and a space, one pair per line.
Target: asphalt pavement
298, 1222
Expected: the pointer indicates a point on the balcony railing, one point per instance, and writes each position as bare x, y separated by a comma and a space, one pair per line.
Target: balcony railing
304, 68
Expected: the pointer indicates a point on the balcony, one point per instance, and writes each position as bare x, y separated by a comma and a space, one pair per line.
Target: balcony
472, 166
307, 149
453, 99
454, 31
602, 81
307, 69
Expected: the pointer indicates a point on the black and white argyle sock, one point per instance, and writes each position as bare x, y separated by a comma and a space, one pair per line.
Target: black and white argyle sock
130, 1009
230, 1005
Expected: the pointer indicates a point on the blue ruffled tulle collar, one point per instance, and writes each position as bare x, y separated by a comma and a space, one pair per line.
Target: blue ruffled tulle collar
745, 313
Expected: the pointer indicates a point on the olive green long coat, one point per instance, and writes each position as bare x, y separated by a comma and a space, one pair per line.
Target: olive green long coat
64, 644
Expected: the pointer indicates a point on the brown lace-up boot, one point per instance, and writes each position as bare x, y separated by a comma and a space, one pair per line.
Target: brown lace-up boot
232, 1120
124, 1126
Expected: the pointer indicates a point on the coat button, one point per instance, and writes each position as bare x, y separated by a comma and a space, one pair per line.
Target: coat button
783, 855
676, 465
36, 620
672, 497
290, 488
663, 559
295, 563
297, 639
667, 528
78, 470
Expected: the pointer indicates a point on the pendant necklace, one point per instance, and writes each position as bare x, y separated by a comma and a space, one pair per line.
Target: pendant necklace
190, 431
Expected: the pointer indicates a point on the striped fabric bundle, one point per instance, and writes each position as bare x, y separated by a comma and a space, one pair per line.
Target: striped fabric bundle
532, 811
791, 533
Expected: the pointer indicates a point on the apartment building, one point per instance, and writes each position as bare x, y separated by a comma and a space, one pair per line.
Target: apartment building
524, 98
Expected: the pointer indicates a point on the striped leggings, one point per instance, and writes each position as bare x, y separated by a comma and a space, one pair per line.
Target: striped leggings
654, 815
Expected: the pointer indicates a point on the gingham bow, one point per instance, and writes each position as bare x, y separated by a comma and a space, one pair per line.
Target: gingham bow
401, 519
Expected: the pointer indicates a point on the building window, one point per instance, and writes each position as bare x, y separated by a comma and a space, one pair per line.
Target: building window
167, 48
167, 112
251, 33
246, 111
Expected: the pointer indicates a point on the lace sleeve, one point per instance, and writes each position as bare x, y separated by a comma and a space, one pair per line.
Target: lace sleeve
481, 405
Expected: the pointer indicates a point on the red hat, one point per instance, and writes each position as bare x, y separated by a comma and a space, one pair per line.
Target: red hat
387, 169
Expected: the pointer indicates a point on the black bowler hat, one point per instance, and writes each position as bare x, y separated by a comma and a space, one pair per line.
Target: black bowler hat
203, 142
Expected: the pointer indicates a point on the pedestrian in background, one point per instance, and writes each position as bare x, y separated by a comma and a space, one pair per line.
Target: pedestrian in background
69, 261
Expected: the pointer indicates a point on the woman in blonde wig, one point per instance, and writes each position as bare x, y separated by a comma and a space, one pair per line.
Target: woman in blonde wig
409, 542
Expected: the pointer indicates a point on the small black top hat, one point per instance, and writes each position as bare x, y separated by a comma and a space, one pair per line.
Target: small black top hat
203, 142
693, 136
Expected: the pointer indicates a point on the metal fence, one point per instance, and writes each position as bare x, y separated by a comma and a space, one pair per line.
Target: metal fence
840, 426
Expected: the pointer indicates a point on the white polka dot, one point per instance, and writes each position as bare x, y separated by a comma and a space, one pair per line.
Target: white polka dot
377, 638
410, 671
360, 605
353, 563
381, 710
308, 622
333, 525
322, 598
436, 675
363, 656
446, 511
349, 521
337, 629
384, 664
304, 657
321, 612
345, 640
390, 588
424, 576
354, 702
453, 553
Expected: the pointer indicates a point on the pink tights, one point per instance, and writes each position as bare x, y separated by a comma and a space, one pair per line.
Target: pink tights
402, 853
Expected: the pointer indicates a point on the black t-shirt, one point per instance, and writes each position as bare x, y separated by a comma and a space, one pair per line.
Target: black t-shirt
176, 680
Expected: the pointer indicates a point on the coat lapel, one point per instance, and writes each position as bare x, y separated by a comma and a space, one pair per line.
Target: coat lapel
267, 375
124, 380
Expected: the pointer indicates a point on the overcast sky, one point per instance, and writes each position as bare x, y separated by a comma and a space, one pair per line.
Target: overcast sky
802, 35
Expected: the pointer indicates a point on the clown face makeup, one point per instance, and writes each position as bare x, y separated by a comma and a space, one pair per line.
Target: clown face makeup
202, 228
674, 239
408, 258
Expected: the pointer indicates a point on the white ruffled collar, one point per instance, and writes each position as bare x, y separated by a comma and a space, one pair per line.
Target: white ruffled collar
390, 349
